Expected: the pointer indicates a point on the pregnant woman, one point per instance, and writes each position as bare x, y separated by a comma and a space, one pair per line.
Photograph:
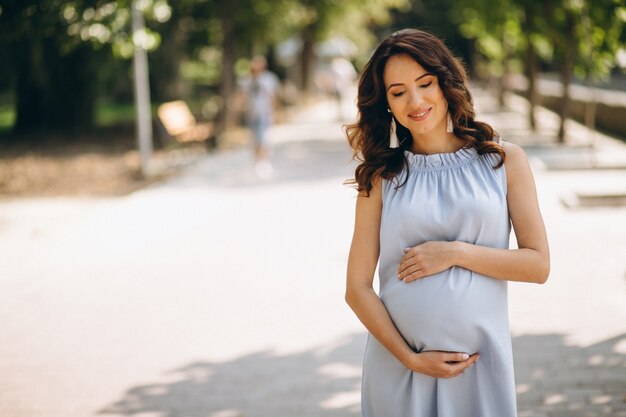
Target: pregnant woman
438, 193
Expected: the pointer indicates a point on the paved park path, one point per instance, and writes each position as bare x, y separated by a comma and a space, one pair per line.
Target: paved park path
215, 294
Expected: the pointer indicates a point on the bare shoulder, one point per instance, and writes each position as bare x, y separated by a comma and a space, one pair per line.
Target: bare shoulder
514, 153
519, 173
376, 192
516, 161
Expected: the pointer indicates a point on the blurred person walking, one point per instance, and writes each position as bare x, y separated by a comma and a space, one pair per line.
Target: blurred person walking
336, 79
260, 90
438, 192
344, 75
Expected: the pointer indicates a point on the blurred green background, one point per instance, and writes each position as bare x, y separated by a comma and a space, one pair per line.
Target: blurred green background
66, 66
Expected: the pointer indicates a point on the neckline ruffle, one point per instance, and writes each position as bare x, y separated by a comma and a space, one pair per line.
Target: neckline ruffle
441, 160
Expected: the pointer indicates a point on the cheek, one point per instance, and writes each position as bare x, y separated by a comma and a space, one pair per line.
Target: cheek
395, 106
392, 102
438, 97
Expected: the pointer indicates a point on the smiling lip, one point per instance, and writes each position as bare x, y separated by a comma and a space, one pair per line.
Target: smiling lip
421, 115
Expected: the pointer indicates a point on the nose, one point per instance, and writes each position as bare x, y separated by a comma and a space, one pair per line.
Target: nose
417, 98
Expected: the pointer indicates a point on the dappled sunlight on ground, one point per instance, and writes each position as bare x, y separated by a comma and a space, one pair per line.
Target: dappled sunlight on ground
553, 378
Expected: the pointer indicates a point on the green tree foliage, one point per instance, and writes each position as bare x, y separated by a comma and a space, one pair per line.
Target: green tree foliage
441, 17
586, 36
580, 36
57, 48
600, 33
258, 26
496, 29
60, 55
314, 21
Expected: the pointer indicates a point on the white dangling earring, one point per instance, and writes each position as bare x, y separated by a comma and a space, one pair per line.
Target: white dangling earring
449, 124
393, 137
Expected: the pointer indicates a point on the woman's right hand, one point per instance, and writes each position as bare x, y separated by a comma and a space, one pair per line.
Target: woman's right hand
439, 364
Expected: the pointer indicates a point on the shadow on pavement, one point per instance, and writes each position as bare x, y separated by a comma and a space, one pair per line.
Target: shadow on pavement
296, 161
319, 382
553, 380
313, 160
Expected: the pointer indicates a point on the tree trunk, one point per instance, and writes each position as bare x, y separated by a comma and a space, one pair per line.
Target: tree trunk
227, 86
30, 86
531, 75
590, 111
591, 104
530, 64
502, 86
70, 101
308, 57
567, 69
54, 91
501, 90
506, 69
166, 84
590, 108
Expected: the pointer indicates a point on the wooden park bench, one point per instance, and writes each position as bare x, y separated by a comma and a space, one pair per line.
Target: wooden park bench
181, 125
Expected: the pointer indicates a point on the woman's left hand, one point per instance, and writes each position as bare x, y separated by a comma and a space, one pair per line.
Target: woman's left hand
425, 259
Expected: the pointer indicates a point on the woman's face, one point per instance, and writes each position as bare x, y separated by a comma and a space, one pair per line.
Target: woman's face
414, 96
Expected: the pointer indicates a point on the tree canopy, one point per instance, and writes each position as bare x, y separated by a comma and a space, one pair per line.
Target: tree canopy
59, 57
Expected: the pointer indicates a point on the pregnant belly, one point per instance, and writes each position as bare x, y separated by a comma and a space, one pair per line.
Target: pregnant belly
455, 310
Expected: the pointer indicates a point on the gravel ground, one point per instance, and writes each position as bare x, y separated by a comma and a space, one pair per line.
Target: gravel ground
98, 164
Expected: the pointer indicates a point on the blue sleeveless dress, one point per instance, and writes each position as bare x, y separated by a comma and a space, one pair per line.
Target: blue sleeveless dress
447, 197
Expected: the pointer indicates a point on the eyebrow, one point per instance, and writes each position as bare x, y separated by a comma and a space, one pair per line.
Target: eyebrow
416, 80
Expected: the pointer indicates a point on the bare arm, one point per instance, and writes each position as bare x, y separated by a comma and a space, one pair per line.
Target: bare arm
364, 301
529, 263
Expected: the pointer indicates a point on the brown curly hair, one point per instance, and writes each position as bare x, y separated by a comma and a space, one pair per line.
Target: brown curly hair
369, 135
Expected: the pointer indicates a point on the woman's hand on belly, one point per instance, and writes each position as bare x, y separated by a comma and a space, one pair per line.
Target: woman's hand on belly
439, 364
426, 259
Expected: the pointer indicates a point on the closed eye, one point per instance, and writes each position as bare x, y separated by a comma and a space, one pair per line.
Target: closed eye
426, 85
398, 94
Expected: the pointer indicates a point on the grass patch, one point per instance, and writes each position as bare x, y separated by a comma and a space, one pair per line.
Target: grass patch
107, 114
111, 114
7, 117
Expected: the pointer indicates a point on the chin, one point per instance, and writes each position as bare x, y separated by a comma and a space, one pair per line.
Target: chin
422, 130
